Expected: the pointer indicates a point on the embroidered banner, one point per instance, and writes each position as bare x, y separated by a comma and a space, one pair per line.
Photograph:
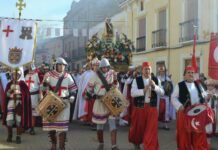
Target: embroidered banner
17, 42
213, 57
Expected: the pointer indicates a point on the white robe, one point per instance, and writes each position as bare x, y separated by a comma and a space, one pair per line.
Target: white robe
79, 110
67, 86
33, 83
95, 86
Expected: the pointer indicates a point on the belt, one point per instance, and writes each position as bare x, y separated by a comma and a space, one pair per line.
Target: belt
98, 97
34, 93
67, 97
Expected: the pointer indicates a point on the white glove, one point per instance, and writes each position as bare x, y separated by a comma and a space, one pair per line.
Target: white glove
71, 99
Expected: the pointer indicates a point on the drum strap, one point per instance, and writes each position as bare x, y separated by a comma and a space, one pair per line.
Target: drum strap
103, 80
59, 83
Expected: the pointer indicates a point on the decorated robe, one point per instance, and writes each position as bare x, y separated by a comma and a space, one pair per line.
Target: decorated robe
165, 108
66, 88
96, 87
33, 83
22, 99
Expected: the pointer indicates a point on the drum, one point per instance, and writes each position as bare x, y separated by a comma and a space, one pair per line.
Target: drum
115, 101
198, 117
50, 106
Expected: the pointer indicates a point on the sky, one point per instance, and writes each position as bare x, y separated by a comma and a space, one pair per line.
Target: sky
44, 10
36, 9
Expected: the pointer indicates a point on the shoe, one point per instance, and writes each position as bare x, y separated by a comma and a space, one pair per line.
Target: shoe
166, 128
18, 140
93, 127
9, 139
115, 148
137, 147
101, 146
32, 131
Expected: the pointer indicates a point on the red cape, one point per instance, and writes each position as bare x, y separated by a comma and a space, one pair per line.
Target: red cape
26, 118
1, 93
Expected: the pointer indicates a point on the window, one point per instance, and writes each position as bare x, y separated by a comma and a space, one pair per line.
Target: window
191, 19
159, 36
191, 9
141, 40
141, 5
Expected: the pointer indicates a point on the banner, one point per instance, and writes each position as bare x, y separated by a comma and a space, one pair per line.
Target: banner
17, 42
213, 57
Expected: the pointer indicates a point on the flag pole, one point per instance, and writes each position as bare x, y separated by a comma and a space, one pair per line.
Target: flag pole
194, 59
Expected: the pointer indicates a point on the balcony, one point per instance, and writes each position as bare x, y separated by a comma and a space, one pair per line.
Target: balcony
140, 45
187, 30
159, 38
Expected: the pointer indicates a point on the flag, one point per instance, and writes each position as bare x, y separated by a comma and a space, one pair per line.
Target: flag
194, 60
48, 33
17, 42
57, 32
213, 57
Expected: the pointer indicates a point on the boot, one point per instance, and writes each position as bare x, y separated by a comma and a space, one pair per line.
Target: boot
32, 131
114, 140
9, 138
100, 136
137, 147
52, 135
62, 140
18, 138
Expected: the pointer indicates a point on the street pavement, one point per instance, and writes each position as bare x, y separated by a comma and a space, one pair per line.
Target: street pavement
81, 137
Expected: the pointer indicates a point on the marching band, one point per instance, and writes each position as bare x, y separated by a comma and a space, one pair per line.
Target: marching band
23, 98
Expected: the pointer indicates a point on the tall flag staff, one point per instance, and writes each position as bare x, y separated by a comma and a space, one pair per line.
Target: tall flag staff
194, 59
20, 6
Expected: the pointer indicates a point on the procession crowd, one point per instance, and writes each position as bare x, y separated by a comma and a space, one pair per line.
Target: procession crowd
51, 97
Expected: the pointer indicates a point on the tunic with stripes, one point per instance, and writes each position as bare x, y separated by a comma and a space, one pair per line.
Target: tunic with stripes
95, 87
67, 86
33, 83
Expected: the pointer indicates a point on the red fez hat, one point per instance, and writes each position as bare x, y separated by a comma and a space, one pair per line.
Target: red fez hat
189, 68
146, 64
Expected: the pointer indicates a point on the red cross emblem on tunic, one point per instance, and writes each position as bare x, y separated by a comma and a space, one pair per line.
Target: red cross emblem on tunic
60, 89
8, 30
29, 81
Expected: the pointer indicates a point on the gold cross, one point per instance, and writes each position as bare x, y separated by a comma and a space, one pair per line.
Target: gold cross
20, 6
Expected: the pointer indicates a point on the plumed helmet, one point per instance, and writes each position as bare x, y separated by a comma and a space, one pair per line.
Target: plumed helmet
60, 60
104, 63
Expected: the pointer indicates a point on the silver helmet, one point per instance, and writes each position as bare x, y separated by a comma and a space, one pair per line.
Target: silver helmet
104, 63
60, 60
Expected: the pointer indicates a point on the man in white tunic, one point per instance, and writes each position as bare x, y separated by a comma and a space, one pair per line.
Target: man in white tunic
101, 113
66, 91
33, 83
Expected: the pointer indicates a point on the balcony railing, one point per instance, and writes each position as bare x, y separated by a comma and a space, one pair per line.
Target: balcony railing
187, 30
141, 42
159, 38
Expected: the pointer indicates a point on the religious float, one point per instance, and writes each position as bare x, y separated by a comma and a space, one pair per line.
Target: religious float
118, 52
